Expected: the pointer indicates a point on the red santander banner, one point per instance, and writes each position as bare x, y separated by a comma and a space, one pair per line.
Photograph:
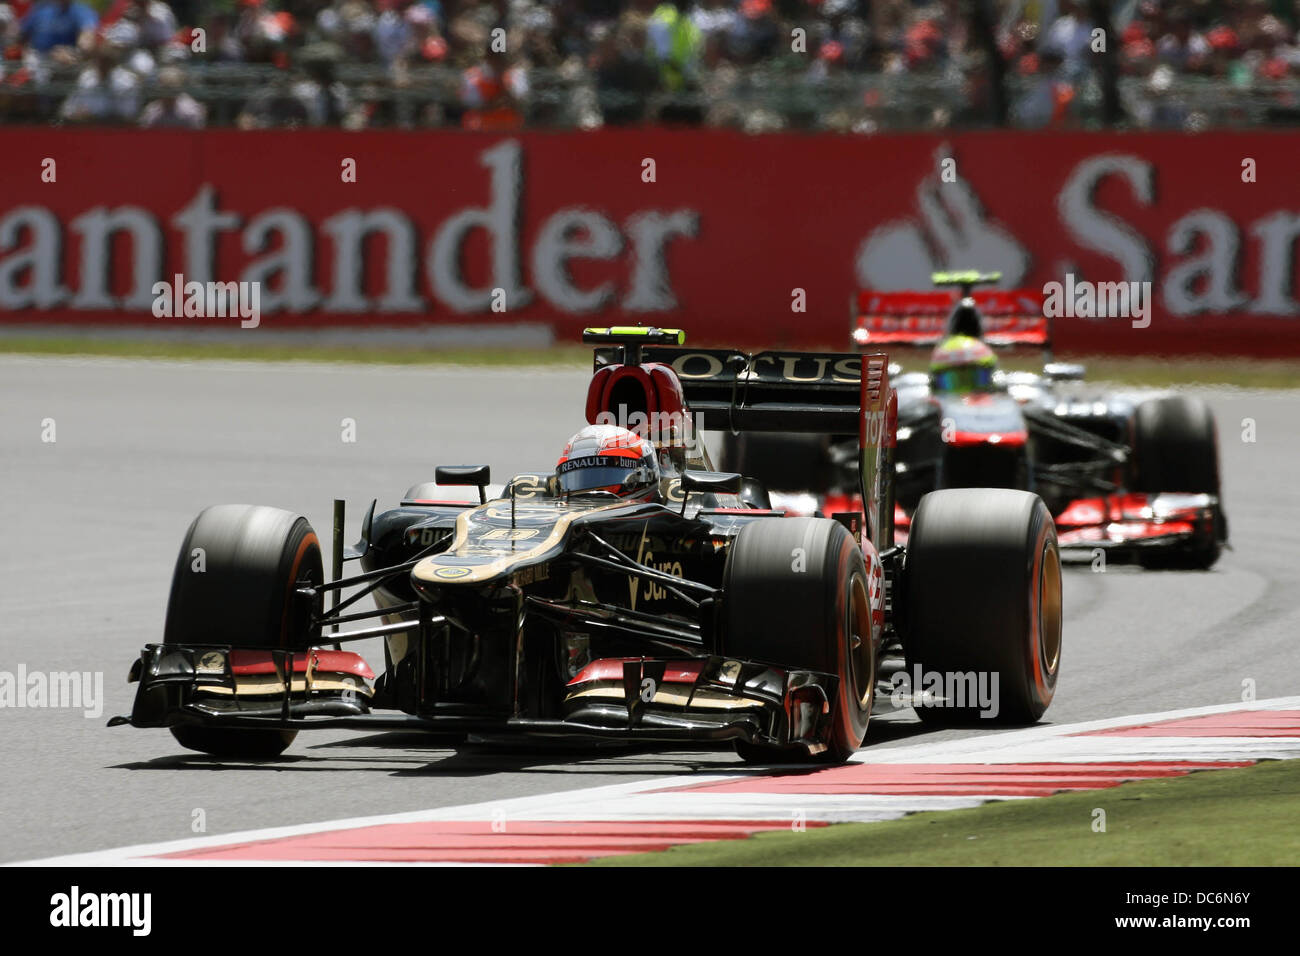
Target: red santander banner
741, 240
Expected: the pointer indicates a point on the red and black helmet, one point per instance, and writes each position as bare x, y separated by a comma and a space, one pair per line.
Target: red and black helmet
609, 458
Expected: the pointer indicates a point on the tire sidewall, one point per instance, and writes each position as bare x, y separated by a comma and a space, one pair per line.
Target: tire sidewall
849, 721
1039, 672
249, 603
975, 600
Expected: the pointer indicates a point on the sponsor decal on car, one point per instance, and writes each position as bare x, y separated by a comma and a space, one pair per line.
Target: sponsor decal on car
451, 573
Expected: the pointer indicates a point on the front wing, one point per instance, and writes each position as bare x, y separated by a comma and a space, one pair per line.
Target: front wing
709, 698
1133, 522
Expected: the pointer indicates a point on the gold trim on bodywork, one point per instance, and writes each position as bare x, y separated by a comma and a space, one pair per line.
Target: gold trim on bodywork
257, 685
669, 695
433, 570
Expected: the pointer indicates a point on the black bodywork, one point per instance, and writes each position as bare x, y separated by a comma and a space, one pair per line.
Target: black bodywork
551, 615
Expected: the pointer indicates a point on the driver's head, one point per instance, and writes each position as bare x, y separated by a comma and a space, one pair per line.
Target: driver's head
609, 458
961, 363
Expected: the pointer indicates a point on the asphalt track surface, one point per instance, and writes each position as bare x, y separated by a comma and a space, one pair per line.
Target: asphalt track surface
91, 523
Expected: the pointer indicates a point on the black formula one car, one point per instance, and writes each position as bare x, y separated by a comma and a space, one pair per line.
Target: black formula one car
1133, 474
702, 615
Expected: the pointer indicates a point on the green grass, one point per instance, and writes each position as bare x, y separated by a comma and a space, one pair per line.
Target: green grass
1162, 371
1122, 370
574, 355
1243, 817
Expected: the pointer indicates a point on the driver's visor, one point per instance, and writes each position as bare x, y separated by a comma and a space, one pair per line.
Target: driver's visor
603, 472
966, 379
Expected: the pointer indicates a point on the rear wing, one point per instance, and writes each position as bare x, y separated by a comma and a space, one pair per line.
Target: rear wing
1011, 318
817, 392
834, 393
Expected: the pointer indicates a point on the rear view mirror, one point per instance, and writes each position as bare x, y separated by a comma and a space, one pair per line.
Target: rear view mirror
715, 482
452, 475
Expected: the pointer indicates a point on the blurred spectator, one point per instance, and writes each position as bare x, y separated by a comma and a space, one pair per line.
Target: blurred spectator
393, 33
714, 18
755, 34
106, 92
733, 63
1178, 45
326, 100
148, 24
275, 106
1049, 97
426, 44
1069, 37
1158, 111
493, 93
174, 108
59, 28
675, 45
624, 75
923, 45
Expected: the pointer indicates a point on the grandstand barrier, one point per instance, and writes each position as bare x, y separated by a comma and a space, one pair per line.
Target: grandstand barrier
729, 237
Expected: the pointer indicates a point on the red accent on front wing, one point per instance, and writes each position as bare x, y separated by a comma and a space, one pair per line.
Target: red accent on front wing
611, 668
1131, 507
1126, 517
1117, 532
1118, 518
334, 662
1009, 439
1094, 511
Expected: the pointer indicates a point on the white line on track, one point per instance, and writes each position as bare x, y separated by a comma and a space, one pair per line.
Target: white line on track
639, 801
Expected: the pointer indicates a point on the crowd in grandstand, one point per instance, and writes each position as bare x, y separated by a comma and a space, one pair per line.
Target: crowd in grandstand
752, 64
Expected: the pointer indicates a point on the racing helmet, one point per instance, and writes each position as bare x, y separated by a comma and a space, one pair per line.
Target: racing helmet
609, 458
965, 319
961, 363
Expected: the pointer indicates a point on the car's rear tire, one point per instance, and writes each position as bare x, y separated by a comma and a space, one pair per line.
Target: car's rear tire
982, 593
796, 596
233, 584
1176, 450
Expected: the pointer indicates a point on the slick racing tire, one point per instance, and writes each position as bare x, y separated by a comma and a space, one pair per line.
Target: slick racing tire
238, 590
796, 596
982, 597
1176, 449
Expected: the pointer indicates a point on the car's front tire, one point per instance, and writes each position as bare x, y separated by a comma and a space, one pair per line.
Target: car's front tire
1176, 449
233, 584
797, 596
